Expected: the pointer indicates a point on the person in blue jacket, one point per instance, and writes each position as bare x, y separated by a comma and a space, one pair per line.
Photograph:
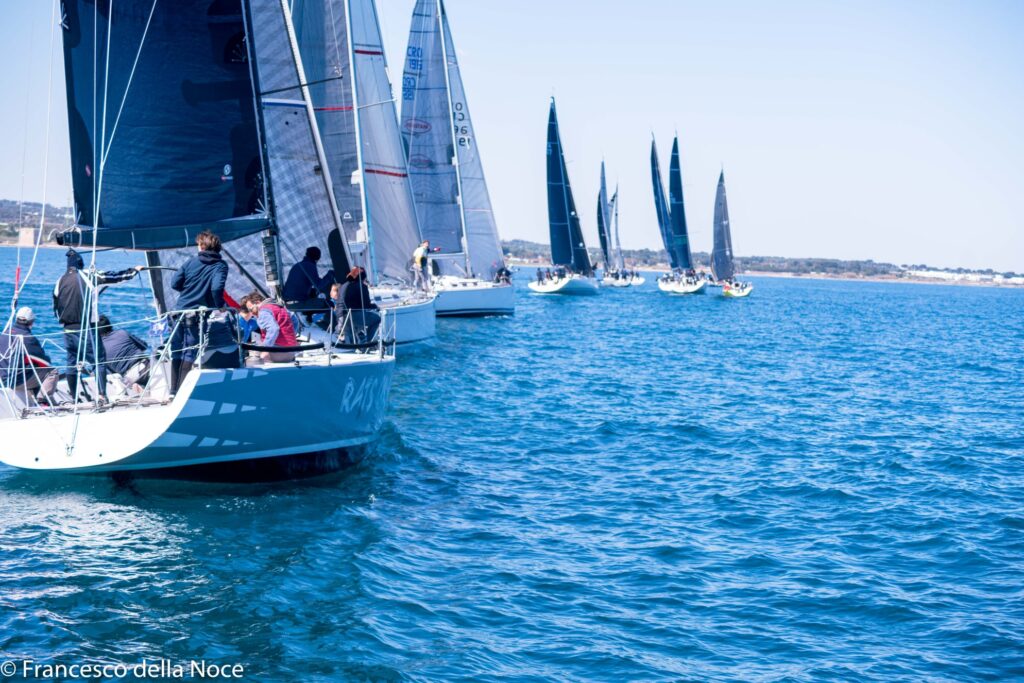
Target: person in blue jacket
24, 365
304, 282
200, 283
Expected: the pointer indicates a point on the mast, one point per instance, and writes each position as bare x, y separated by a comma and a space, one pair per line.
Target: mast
271, 249
451, 126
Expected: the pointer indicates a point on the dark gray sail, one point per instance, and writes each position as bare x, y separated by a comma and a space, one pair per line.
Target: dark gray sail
721, 255
162, 122
604, 222
299, 180
567, 246
677, 212
661, 208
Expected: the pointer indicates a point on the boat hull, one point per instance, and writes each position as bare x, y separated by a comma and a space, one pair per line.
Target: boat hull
577, 285
471, 297
676, 287
414, 315
218, 417
737, 293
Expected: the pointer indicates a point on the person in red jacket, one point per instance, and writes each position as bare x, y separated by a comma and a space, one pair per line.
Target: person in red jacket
276, 327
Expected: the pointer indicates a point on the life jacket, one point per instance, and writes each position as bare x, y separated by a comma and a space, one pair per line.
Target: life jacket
286, 337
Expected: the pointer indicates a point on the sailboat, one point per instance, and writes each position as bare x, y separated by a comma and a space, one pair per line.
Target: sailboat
722, 265
615, 274
672, 220
232, 147
573, 272
633, 277
447, 175
342, 52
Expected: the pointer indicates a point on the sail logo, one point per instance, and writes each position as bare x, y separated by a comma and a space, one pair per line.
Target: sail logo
226, 175
420, 161
417, 126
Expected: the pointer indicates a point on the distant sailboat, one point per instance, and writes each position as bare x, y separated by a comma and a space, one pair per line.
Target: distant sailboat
573, 273
447, 174
341, 48
722, 265
615, 274
213, 153
672, 220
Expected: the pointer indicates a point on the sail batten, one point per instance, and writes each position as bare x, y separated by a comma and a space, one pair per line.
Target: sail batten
567, 246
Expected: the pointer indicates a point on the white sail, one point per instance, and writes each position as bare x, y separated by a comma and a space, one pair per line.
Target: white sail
390, 210
482, 239
303, 203
427, 132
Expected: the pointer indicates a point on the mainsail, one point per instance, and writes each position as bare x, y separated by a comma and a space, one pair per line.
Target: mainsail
321, 28
677, 212
721, 255
447, 175
567, 246
429, 136
159, 154
300, 184
604, 222
618, 263
661, 208
392, 225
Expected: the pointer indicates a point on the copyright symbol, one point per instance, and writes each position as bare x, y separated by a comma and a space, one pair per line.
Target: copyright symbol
8, 669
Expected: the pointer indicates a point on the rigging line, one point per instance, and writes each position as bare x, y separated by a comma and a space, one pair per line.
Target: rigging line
299, 86
46, 153
334, 35
24, 147
127, 87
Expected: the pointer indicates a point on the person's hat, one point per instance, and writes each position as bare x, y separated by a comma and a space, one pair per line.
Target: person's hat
25, 315
74, 259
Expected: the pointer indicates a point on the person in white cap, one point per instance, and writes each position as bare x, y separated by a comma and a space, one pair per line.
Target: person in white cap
24, 365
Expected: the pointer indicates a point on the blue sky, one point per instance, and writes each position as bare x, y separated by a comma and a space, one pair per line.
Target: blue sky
878, 130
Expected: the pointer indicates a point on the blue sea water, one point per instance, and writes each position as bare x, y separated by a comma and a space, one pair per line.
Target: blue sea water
823, 481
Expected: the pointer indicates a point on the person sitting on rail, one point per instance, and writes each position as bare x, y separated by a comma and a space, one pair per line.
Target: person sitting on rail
357, 303
24, 365
276, 327
127, 355
304, 283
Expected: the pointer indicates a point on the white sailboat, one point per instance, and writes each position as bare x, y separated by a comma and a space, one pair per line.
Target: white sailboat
573, 272
342, 52
615, 273
722, 264
672, 216
452, 200
231, 146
